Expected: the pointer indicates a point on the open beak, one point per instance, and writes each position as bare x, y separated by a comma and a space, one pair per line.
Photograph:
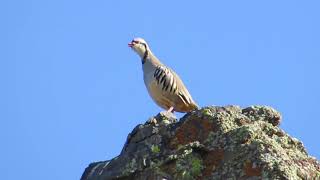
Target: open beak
131, 44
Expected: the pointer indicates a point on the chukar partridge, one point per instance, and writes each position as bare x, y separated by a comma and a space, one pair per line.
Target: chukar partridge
163, 84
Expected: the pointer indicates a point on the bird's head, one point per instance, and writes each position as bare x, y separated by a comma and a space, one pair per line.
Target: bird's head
140, 46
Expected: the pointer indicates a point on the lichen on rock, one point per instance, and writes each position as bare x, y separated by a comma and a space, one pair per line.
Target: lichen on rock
210, 143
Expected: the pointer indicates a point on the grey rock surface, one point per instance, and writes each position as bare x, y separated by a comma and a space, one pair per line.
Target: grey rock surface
210, 143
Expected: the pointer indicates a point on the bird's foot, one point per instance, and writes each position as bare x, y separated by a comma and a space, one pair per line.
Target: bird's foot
169, 113
166, 117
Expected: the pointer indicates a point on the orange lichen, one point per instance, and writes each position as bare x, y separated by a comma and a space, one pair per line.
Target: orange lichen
251, 170
194, 129
211, 161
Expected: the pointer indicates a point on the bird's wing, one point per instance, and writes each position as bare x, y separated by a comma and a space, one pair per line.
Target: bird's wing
165, 79
171, 84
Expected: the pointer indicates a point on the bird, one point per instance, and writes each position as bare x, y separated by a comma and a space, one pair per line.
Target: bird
164, 85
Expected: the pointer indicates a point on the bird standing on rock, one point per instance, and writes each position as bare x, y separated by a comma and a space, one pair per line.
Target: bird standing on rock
163, 84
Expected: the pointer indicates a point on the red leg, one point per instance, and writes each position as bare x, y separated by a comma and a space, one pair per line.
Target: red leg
171, 110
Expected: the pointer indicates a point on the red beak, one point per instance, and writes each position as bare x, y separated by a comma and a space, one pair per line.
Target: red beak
131, 44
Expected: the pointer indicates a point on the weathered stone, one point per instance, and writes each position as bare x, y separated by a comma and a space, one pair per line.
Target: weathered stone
210, 143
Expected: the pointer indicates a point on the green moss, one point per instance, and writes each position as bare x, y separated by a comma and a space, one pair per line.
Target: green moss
155, 149
206, 112
196, 166
189, 167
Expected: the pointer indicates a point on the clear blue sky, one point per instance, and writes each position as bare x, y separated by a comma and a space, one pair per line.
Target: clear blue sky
71, 89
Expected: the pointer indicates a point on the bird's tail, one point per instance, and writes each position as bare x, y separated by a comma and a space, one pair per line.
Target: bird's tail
194, 106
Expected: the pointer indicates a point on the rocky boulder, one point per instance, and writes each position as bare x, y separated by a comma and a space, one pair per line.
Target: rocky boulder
210, 143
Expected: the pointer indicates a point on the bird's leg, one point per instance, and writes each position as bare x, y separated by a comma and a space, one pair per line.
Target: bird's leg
170, 113
170, 110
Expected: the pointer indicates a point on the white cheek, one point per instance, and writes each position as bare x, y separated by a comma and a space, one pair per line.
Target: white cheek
140, 50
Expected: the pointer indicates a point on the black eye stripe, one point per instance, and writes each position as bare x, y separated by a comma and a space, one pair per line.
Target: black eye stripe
144, 45
137, 42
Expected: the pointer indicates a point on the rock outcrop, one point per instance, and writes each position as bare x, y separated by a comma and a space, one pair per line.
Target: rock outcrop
210, 143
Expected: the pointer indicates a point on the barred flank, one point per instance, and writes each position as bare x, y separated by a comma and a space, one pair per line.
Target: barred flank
165, 78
